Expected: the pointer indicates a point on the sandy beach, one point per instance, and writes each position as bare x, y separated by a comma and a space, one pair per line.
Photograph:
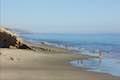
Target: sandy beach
49, 64
59, 40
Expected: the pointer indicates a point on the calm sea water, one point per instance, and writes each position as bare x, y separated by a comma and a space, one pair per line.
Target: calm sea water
87, 44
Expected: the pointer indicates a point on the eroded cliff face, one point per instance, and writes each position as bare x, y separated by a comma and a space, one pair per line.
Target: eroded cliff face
8, 38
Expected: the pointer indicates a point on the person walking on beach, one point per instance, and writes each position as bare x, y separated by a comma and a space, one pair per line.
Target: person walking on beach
100, 56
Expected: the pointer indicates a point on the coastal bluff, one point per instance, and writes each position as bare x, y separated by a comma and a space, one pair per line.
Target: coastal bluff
9, 38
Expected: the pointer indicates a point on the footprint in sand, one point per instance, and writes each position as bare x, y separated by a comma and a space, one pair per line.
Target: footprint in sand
0, 53
11, 58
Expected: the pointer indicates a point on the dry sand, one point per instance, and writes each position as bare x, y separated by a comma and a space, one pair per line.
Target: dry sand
16, 64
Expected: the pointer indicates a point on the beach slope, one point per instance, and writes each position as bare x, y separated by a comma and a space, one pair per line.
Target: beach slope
17, 64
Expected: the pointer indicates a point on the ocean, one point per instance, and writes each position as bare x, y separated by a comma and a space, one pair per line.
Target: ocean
109, 43
89, 44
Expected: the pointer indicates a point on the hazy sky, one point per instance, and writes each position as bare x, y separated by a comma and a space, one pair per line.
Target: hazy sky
76, 16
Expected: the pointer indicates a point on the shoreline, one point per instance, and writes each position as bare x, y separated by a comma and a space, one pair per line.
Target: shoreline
49, 64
